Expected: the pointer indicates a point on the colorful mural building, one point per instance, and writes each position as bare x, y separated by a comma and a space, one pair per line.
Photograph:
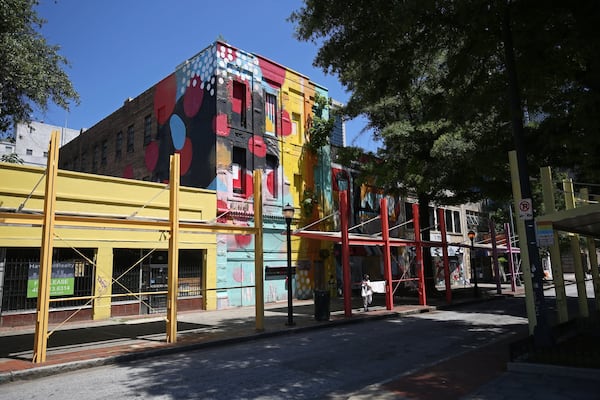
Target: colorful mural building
227, 112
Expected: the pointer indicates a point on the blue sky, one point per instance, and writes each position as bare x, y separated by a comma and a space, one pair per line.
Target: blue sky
119, 48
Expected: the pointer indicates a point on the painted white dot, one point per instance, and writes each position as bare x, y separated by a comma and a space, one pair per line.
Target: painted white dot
202, 85
194, 82
221, 80
212, 92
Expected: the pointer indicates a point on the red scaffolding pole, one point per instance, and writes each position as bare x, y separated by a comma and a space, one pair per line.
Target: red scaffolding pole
345, 253
419, 256
387, 266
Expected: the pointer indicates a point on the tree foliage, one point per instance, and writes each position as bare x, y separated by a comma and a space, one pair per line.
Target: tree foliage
321, 124
31, 70
431, 78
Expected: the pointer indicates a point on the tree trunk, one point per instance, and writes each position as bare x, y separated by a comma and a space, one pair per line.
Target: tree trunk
425, 223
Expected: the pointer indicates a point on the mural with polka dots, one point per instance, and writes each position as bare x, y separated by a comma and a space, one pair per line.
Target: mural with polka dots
228, 112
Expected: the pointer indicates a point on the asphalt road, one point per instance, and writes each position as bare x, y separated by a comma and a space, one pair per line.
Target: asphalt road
326, 363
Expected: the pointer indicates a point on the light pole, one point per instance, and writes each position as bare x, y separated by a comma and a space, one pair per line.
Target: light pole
288, 214
471, 235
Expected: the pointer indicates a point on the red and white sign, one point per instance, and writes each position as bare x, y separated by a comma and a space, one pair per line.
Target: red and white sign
525, 209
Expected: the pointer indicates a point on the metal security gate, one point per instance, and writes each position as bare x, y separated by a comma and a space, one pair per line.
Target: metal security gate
73, 276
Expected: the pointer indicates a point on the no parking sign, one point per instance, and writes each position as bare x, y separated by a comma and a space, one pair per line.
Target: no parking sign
525, 209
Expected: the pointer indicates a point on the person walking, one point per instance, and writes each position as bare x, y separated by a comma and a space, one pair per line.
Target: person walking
366, 292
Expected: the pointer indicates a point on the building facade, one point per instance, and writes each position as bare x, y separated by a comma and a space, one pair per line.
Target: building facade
108, 271
32, 140
227, 112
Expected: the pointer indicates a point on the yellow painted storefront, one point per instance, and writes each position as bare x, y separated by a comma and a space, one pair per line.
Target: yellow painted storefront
80, 196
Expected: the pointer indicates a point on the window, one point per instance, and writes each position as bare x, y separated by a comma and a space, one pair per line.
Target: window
472, 219
272, 178
103, 153
118, 145
130, 139
29, 152
448, 218
296, 126
95, 158
8, 149
457, 227
147, 129
84, 160
45, 154
238, 102
270, 113
238, 170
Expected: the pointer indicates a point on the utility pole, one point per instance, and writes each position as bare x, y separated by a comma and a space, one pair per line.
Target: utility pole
542, 336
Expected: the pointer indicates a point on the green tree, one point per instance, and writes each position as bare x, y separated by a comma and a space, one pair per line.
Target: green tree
431, 77
31, 70
12, 158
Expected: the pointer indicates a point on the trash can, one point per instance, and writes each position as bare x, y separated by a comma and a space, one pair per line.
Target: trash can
322, 305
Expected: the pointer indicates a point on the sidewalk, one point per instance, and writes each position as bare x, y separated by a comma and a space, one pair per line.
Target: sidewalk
93, 343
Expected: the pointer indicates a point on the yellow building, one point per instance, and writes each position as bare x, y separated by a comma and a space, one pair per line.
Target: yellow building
108, 270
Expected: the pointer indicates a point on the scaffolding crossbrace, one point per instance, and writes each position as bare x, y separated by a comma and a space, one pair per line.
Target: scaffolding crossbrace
48, 220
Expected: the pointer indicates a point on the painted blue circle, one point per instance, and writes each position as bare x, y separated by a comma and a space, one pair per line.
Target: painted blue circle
177, 131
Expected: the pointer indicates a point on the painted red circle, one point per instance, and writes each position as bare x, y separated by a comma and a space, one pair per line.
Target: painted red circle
165, 95
185, 156
128, 171
257, 146
151, 156
220, 125
286, 124
192, 99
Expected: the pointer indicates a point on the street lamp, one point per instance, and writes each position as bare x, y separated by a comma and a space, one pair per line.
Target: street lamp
288, 214
471, 236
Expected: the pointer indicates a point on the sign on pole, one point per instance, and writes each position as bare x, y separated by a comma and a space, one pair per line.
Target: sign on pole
545, 234
525, 209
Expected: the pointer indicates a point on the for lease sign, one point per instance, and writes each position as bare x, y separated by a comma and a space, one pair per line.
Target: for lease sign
62, 281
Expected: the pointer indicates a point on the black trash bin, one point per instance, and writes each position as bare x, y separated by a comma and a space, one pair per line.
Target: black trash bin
322, 305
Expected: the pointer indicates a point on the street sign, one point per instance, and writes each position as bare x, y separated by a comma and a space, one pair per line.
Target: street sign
525, 209
545, 234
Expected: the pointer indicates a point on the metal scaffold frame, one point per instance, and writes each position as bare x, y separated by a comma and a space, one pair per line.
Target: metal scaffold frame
384, 241
49, 220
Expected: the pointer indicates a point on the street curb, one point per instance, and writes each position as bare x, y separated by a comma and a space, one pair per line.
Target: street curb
554, 370
49, 370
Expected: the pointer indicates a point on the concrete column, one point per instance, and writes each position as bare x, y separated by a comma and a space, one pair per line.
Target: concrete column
103, 283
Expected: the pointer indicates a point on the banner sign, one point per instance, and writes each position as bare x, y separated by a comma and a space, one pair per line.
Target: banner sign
62, 282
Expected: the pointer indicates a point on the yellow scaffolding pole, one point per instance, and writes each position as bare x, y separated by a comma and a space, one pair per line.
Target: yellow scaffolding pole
525, 264
258, 253
584, 311
593, 256
555, 259
45, 272
173, 281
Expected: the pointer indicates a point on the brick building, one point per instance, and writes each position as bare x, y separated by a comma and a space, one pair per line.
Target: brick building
227, 112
